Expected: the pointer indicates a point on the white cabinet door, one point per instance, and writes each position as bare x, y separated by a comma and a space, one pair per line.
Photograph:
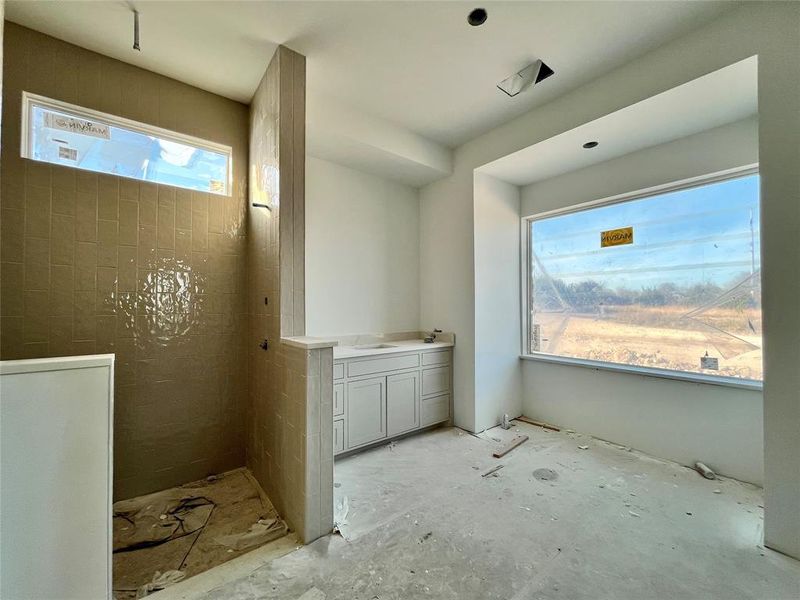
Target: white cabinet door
366, 411
338, 399
338, 436
402, 402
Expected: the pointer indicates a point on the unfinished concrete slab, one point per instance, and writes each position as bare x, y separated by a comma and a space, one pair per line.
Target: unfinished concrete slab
213, 530
423, 522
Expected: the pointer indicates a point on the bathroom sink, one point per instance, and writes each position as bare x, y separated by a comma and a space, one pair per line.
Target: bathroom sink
374, 346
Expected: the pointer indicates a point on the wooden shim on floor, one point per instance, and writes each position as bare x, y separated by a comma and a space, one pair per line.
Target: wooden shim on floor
510, 446
537, 423
492, 470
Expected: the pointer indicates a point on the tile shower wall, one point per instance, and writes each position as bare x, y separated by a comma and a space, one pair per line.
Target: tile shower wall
267, 411
280, 430
95, 263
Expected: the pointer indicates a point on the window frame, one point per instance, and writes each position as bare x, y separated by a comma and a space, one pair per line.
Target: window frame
526, 275
29, 100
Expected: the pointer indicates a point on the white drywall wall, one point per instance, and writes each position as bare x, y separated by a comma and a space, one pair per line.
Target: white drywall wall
345, 136
677, 420
362, 252
684, 422
719, 149
498, 382
768, 30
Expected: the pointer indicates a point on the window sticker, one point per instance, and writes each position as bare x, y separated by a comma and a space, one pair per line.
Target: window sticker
616, 237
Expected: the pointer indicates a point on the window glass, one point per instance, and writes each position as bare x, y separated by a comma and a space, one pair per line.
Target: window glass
669, 281
85, 140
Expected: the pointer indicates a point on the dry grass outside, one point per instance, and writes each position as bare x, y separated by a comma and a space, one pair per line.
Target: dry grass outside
659, 337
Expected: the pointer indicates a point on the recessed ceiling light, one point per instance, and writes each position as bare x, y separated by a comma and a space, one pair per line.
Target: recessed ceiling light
588, 145
477, 17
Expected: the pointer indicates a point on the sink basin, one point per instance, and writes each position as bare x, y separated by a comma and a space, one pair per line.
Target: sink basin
374, 346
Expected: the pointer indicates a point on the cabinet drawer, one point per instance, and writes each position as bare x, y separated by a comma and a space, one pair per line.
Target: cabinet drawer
435, 381
338, 371
385, 363
435, 409
436, 358
338, 399
338, 436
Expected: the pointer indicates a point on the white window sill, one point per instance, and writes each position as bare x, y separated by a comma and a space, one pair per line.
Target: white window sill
744, 384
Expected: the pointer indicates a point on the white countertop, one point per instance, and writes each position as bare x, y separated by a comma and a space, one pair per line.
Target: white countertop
397, 346
308, 343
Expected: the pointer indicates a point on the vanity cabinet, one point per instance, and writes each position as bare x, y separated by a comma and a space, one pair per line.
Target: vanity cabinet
376, 398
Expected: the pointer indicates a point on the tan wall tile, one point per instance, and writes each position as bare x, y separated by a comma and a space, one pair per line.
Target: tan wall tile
37, 307
62, 287
63, 179
37, 211
86, 217
183, 209
108, 197
85, 253
107, 243
85, 182
63, 200
37, 264
11, 289
85, 266
12, 235
129, 222
148, 204
62, 240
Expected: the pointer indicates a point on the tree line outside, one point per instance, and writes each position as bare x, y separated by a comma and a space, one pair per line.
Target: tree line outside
587, 296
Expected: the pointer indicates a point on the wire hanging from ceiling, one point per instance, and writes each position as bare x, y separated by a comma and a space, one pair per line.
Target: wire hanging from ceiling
136, 31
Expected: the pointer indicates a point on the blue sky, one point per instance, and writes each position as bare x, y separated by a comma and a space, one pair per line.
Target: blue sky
129, 153
698, 235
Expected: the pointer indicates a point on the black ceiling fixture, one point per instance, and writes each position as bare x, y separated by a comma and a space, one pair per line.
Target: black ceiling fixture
477, 17
589, 145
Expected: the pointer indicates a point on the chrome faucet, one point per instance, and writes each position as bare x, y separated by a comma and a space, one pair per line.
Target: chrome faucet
429, 339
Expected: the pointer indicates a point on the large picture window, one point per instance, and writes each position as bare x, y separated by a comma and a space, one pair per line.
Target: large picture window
72, 136
668, 281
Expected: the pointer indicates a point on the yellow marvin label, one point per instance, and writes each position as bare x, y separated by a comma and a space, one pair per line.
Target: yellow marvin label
616, 237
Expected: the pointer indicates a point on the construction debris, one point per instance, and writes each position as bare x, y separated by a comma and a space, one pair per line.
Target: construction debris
492, 470
340, 515
704, 471
260, 532
179, 529
159, 582
583, 447
505, 424
538, 423
520, 439
156, 518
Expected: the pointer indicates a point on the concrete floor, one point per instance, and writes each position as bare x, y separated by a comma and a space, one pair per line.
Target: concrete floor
614, 523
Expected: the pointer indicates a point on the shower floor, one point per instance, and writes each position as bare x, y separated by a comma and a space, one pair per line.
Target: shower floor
212, 521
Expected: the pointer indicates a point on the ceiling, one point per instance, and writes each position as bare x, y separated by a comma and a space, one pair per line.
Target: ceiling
718, 98
418, 65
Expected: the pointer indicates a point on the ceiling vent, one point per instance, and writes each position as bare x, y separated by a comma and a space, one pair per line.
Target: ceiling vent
522, 80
